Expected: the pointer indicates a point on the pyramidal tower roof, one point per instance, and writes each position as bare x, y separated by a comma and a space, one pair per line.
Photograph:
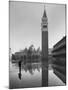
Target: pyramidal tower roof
44, 14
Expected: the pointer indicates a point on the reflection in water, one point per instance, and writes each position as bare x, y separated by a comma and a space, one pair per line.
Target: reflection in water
25, 75
19, 74
31, 67
44, 72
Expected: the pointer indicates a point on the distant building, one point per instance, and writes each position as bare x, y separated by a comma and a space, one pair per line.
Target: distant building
50, 56
21, 53
59, 59
50, 51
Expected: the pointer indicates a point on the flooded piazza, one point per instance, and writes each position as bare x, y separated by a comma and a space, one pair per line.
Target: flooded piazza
28, 76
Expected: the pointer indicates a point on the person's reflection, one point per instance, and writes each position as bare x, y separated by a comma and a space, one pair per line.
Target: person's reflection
19, 74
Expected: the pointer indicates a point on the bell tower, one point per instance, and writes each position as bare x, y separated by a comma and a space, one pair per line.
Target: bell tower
44, 29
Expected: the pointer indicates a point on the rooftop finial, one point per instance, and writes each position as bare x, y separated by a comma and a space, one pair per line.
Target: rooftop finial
44, 6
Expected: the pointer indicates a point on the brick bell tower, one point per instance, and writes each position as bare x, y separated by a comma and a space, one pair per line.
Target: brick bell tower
44, 29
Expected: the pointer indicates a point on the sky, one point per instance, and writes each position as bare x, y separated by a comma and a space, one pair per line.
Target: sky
25, 24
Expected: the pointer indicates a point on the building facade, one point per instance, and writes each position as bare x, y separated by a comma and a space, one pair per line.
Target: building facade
59, 59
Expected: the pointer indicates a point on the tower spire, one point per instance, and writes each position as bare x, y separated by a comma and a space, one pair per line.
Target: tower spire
44, 14
44, 6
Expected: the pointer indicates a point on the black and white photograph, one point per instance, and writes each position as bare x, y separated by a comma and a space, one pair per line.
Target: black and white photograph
37, 44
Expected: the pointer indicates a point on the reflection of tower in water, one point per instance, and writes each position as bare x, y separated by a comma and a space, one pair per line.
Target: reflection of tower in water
44, 28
